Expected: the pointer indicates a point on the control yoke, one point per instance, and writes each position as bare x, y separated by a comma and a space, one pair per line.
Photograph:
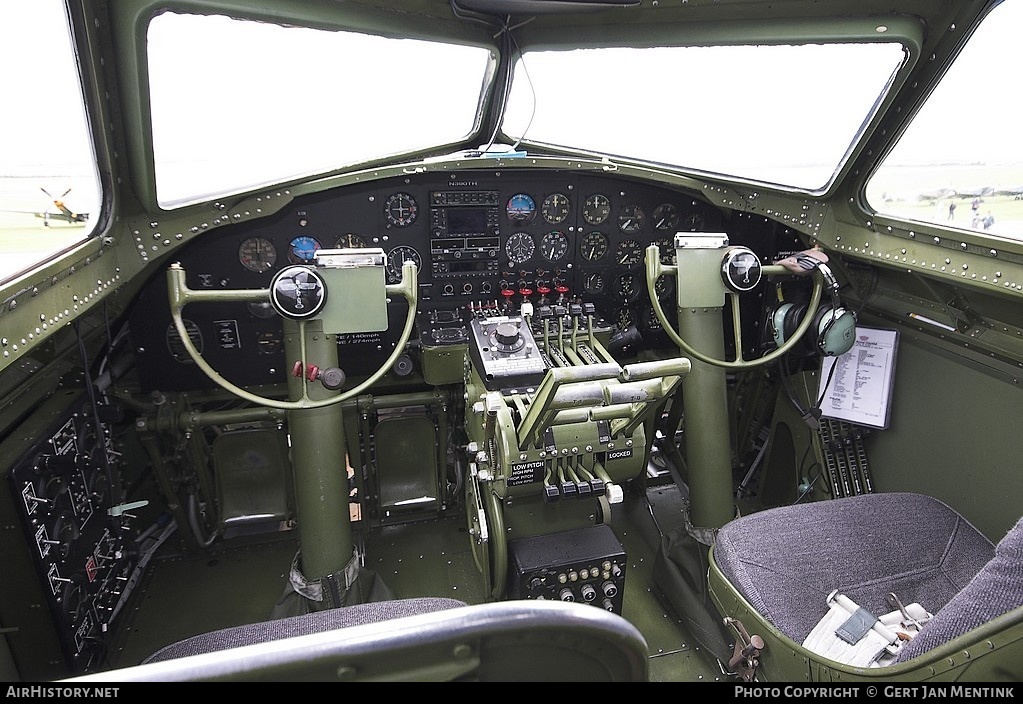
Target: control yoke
344, 291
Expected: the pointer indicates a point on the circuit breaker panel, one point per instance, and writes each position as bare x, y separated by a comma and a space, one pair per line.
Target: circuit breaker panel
64, 514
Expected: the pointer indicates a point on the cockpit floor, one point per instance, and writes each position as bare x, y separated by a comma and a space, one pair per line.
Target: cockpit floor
239, 581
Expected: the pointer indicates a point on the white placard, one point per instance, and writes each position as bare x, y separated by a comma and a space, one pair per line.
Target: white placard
860, 388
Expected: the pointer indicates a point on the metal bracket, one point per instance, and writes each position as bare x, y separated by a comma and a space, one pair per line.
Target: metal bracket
746, 654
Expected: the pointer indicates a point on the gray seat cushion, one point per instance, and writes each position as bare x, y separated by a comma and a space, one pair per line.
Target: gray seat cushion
786, 561
314, 622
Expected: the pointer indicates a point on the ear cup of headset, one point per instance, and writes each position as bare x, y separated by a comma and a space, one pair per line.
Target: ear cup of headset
836, 330
784, 321
831, 333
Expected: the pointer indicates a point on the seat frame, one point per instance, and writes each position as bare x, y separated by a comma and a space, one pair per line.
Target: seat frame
522, 640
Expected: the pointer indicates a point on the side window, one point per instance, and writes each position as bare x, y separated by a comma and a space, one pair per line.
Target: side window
49, 185
960, 162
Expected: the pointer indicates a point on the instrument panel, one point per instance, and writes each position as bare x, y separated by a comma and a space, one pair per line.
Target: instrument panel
483, 239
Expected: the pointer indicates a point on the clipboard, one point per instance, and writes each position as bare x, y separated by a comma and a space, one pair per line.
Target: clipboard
857, 386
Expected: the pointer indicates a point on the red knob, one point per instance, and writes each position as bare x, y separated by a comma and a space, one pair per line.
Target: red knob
312, 373
297, 369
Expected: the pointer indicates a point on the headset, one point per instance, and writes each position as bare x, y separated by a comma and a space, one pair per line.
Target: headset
831, 333
833, 330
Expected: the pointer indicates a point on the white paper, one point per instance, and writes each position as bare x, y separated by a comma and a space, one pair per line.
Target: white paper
860, 389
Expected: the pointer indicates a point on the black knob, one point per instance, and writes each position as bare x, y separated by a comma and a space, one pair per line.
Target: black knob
403, 367
507, 333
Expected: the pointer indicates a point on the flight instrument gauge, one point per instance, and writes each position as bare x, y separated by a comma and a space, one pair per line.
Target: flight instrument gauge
555, 208
350, 240
623, 318
593, 283
596, 208
257, 254
302, 249
554, 245
593, 246
665, 217
396, 259
627, 287
664, 287
400, 209
693, 222
519, 247
628, 253
269, 342
521, 208
665, 251
631, 219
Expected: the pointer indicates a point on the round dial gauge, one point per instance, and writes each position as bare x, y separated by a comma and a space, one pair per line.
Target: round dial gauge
257, 254
665, 217
665, 251
298, 292
650, 321
261, 309
302, 249
519, 247
693, 222
664, 286
555, 208
593, 246
631, 219
269, 342
396, 259
554, 245
593, 283
350, 241
627, 288
628, 253
177, 348
400, 209
623, 318
521, 208
596, 208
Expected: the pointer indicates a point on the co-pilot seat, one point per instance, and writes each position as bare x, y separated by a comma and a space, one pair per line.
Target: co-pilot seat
771, 574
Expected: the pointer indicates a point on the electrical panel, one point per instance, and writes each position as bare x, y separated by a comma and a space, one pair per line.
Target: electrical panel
586, 565
65, 492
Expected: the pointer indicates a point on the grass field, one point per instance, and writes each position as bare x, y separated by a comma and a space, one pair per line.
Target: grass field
925, 193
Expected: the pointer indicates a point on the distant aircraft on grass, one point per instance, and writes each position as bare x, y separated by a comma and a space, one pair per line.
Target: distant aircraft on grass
63, 213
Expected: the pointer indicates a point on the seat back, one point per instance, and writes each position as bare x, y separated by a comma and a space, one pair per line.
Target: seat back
503, 641
996, 589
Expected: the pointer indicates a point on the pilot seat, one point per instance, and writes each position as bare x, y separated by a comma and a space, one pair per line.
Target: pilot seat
797, 581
